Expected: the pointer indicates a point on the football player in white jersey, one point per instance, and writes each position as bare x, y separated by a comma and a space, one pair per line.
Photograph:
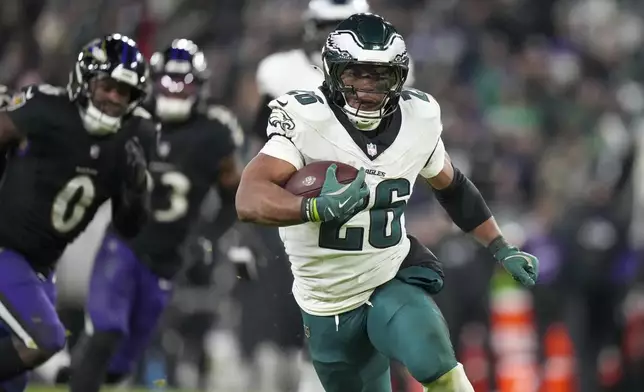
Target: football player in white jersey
277, 74
361, 282
300, 69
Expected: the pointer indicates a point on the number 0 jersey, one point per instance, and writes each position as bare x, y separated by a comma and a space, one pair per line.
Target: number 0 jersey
337, 265
56, 179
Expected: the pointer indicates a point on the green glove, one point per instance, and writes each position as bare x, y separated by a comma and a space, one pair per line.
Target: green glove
336, 201
523, 266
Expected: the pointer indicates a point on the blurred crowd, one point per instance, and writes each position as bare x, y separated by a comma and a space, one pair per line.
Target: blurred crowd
543, 104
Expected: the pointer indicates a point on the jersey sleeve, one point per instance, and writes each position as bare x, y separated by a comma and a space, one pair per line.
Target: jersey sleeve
282, 130
436, 160
28, 107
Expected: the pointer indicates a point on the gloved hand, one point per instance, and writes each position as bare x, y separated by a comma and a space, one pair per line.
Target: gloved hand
336, 201
523, 266
136, 166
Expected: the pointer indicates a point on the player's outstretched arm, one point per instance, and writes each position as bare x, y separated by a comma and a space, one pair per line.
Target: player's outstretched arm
469, 211
261, 198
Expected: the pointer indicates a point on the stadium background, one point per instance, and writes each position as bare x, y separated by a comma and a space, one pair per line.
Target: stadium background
542, 103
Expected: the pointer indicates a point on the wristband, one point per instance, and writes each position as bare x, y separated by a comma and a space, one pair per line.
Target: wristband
308, 210
497, 244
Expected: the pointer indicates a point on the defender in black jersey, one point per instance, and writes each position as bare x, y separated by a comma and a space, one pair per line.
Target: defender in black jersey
131, 280
69, 150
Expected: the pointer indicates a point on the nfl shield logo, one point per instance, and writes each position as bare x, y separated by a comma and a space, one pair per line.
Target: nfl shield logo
372, 149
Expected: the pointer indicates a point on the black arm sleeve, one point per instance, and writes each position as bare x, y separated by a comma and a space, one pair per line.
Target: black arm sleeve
261, 119
463, 203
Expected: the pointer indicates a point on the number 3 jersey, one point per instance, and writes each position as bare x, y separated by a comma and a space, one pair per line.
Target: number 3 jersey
59, 175
183, 169
337, 265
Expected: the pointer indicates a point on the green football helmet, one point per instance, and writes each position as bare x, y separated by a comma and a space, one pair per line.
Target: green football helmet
365, 65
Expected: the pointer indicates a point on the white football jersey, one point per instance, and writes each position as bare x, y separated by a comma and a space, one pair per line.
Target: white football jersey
337, 266
282, 72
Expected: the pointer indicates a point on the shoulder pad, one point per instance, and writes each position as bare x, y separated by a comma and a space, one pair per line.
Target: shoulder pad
419, 103
48, 89
228, 119
34, 93
308, 106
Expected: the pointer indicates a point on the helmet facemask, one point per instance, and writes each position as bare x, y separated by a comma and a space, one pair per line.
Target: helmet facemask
369, 90
108, 101
176, 96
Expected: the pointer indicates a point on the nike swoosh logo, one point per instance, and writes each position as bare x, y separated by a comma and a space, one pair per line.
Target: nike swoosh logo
343, 203
282, 103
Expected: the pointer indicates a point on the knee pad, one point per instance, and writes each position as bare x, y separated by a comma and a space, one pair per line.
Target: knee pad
454, 380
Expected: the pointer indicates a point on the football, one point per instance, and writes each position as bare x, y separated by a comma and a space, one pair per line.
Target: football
308, 180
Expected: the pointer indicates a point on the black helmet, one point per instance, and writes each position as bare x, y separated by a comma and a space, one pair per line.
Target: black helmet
180, 73
115, 57
365, 41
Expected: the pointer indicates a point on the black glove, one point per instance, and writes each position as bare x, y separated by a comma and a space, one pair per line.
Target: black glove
136, 166
130, 209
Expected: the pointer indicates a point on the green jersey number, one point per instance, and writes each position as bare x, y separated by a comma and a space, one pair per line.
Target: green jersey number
408, 93
385, 227
305, 97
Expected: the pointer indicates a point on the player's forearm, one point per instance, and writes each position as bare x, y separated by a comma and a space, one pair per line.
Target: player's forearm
487, 232
266, 203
